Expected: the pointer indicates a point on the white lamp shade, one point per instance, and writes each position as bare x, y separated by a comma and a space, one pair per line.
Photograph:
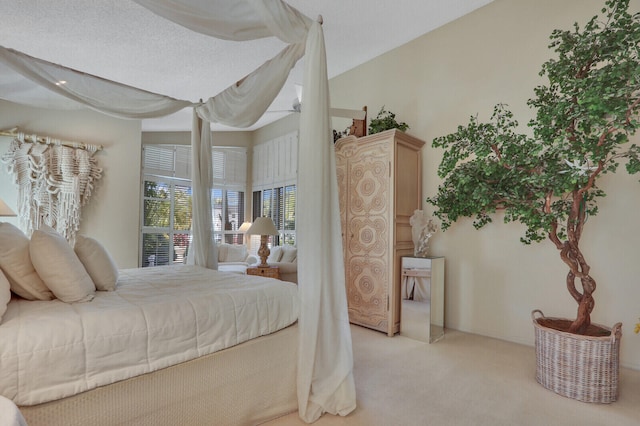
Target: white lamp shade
5, 210
262, 226
244, 227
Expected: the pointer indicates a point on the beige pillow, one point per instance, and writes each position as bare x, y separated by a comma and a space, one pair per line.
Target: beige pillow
236, 253
98, 263
16, 264
59, 266
289, 254
5, 294
275, 254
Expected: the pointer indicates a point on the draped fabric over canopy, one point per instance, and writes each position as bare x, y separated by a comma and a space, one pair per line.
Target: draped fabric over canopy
325, 365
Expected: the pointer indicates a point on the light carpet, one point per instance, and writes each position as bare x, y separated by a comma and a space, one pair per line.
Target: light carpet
464, 379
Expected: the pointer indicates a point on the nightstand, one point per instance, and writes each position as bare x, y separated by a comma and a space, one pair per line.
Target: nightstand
265, 271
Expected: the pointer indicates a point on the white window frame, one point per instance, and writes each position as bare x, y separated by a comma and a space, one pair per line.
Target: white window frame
174, 168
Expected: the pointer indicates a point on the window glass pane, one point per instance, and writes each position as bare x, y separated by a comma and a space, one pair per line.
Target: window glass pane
267, 207
234, 208
216, 200
278, 207
157, 213
155, 249
290, 208
182, 208
257, 204
153, 189
290, 239
180, 244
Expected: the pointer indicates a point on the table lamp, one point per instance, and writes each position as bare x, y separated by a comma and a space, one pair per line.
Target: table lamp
264, 227
243, 230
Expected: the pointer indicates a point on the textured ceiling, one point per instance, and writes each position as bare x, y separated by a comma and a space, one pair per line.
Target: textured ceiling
122, 41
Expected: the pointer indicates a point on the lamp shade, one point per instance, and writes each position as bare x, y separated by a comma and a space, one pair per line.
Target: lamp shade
244, 227
5, 210
262, 226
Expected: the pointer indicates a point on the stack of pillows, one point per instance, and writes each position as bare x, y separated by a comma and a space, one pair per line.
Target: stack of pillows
47, 267
283, 254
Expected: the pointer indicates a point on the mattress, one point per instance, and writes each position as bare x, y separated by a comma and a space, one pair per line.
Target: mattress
157, 317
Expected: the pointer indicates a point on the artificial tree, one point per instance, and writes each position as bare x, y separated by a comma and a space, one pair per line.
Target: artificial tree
548, 182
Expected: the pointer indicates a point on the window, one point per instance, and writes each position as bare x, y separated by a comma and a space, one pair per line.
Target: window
228, 215
166, 221
280, 205
275, 172
166, 198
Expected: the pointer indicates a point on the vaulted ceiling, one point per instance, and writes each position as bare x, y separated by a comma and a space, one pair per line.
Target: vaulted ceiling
122, 41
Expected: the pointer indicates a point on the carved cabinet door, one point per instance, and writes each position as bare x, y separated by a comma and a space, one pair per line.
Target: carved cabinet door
365, 204
379, 182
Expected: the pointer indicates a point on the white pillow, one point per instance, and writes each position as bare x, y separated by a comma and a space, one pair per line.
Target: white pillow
98, 263
5, 294
222, 252
275, 254
59, 266
17, 266
236, 253
289, 254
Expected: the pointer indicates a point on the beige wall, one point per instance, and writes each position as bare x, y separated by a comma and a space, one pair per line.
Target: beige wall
112, 215
434, 84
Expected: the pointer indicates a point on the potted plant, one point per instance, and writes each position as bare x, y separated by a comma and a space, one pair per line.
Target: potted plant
386, 120
548, 181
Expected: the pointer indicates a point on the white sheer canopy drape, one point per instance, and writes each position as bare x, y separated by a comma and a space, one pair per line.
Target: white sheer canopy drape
325, 365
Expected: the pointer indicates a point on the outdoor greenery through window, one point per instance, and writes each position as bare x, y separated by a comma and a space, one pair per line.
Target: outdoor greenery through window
166, 210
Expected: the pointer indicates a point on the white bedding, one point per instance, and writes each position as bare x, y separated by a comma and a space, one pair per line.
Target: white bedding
157, 317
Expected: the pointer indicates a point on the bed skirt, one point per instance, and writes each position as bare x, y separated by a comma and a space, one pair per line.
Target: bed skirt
247, 384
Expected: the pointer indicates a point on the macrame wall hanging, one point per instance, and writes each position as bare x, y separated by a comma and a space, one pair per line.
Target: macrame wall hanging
55, 180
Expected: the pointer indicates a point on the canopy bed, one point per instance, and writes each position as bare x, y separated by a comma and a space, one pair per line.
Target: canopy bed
324, 361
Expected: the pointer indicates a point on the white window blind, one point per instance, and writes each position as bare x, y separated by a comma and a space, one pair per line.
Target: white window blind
276, 161
229, 167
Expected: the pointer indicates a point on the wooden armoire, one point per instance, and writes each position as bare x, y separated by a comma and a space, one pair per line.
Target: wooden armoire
380, 184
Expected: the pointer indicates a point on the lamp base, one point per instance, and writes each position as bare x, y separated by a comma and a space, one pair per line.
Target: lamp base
263, 251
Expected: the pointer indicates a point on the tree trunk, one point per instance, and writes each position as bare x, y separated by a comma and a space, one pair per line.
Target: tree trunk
572, 256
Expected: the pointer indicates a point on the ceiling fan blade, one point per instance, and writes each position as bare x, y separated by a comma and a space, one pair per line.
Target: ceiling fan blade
354, 114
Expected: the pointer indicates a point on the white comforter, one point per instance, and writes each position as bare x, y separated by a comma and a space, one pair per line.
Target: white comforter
157, 317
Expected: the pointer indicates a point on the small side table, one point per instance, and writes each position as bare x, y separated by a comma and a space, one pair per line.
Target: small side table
265, 271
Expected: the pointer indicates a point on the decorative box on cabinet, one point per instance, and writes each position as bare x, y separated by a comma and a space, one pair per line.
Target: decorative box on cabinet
422, 292
380, 187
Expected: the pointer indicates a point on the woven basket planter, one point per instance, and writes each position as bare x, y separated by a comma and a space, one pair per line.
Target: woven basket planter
585, 368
